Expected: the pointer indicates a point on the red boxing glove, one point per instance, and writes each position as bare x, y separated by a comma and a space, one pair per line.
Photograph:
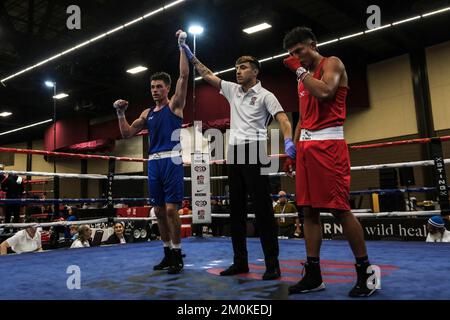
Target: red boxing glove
292, 63
289, 166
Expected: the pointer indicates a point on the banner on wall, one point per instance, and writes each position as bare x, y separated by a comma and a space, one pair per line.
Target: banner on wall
413, 229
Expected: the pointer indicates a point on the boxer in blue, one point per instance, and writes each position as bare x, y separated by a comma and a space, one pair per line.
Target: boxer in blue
165, 168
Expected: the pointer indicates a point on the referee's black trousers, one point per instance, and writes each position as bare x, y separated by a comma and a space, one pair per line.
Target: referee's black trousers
246, 179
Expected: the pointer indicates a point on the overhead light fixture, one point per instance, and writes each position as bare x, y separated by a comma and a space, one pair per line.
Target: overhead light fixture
379, 28
195, 29
327, 42
98, 37
136, 69
257, 28
49, 84
5, 114
61, 95
435, 12
406, 20
26, 127
173, 4
351, 36
265, 59
284, 54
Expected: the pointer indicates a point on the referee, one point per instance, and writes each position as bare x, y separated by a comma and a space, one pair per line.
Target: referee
252, 106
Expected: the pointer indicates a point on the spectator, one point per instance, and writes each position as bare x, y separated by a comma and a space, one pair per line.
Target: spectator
13, 187
73, 232
287, 227
186, 229
437, 231
26, 240
84, 235
72, 214
69, 214
118, 235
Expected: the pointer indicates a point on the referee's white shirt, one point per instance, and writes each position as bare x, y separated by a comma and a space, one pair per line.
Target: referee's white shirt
22, 242
250, 111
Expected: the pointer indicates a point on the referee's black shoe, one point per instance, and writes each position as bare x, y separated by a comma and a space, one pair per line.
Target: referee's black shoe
235, 269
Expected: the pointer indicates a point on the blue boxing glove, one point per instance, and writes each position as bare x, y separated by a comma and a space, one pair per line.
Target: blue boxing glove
187, 51
289, 148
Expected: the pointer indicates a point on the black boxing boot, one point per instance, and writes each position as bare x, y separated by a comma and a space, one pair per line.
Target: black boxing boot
176, 263
311, 279
366, 283
165, 262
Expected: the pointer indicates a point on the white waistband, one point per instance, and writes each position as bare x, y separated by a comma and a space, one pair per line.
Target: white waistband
164, 154
331, 133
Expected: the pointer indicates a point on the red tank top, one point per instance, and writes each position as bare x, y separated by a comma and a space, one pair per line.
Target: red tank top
315, 114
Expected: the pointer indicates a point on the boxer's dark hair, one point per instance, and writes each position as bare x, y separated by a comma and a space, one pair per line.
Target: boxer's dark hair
162, 76
298, 35
252, 60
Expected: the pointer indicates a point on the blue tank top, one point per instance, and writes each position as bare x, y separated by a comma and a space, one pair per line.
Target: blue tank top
161, 124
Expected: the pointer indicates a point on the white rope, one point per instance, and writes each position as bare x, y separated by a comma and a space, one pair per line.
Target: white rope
61, 175
219, 215
53, 224
398, 165
274, 174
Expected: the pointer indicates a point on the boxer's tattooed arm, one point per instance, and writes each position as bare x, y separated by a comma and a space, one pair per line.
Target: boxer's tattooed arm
206, 73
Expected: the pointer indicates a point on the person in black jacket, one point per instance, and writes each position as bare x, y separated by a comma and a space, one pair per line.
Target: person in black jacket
12, 185
118, 235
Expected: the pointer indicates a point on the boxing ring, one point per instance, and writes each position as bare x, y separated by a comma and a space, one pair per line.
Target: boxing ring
124, 272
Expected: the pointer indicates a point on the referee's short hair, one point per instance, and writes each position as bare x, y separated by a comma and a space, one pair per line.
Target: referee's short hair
253, 61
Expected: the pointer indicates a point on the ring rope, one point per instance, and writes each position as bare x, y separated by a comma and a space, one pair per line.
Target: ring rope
215, 215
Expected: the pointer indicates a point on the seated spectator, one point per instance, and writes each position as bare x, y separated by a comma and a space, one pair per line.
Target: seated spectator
84, 235
437, 231
73, 232
118, 235
69, 214
26, 240
287, 227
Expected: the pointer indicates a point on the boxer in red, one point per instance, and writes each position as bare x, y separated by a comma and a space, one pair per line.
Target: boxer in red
322, 161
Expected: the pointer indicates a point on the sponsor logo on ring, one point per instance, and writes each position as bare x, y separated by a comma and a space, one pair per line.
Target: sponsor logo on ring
200, 203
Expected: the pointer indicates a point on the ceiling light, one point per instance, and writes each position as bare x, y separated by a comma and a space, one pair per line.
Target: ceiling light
257, 28
435, 12
195, 30
60, 95
136, 69
26, 127
406, 20
351, 35
5, 114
